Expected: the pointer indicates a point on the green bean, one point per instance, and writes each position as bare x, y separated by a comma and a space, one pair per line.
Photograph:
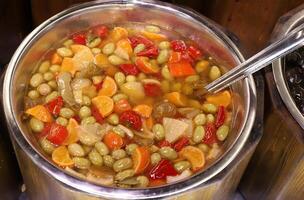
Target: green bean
131, 78
55, 68
119, 96
122, 164
130, 148
204, 148
84, 112
62, 121
210, 118
96, 51
36, 80
201, 66
198, 134
113, 119
168, 153
152, 29
163, 56
102, 148
166, 73
52, 84
200, 119
120, 78
95, 158
187, 89
139, 48
124, 174
159, 132
86, 100
222, 132
36, 125
66, 113
68, 43
94, 43
165, 86
118, 130
88, 120
118, 154
48, 76
143, 181
164, 45
209, 108
65, 52
214, 73
87, 149
141, 76
153, 148
176, 87
47, 146
192, 78
155, 158
53, 95
108, 161
76, 150
33, 94
115, 60
108, 48
44, 89
182, 166
81, 163
44, 66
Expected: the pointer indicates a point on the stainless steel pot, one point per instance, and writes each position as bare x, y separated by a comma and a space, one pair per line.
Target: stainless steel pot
48, 181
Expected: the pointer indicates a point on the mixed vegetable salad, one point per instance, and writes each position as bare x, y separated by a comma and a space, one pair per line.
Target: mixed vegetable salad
126, 107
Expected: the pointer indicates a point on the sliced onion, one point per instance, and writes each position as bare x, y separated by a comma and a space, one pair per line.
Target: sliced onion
89, 134
189, 130
185, 174
129, 133
104, 129
77, 85
65, 89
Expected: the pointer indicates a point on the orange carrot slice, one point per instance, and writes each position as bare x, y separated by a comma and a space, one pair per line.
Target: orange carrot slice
118, 33
101, 61
220, 99
194, 155
62, 157
143, 110
109, 87
145, 66
104, 104
181, 68
141, 159
176, 98
72, 130
40, 112
113, 140
125, 45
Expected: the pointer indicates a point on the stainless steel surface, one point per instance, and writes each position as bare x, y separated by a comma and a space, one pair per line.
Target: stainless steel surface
286, 44
188, 23
283, 28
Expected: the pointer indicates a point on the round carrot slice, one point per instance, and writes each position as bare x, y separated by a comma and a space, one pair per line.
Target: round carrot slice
141, 159
194, 155
109, 87
62, 157
101, 61
104, 104
143, 110
40, 112
72, 130
113, 140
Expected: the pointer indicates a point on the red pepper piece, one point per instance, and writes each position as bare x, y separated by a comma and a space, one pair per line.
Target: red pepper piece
131, 119
77, 118
101, 31
220, 117
151, 52
55, 105
178, 45
135, 40
210, 136
98, 86
181, 143
152, 90
129, 69
163, 143
97, 115
45, 131
163, 169
79, 38
194, 52
57, 134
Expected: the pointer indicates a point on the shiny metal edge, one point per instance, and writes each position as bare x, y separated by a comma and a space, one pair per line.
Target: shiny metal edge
289, 22
118, 193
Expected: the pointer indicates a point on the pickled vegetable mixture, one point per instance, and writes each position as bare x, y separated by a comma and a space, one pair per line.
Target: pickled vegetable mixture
125, 106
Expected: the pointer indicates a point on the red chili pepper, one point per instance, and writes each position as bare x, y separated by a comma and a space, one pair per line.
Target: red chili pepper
55, 105
101, 31
57, 133
136, 40
210, 136
194, 52
163, 169
151, 52
79, 38
181, 143
130, 119
178, 45
220, 117
129, 69
152, 90
97, 115
163, 143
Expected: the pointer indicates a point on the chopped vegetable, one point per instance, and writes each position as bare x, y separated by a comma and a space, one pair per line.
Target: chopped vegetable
131, 119
141, 159
151, 52
55, 105
56, 59
176, 98
101, 31
181, 143
181, 68
145, 66
178, 45
40, 112
113, 140
152, 89
129, 69
104, 104
56, 133
195, 156
143, 110
136, 40
134, 90
210, 134
194, 52
79, 38
154, 36
62, 157
72, 132
220, 99
174, 129
109, 87
101, 61
67, 65
185, 174
122, 106
64, 87
220, 117
163, 169
96, 114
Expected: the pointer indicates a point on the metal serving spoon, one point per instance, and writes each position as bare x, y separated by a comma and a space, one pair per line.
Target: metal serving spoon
278, 49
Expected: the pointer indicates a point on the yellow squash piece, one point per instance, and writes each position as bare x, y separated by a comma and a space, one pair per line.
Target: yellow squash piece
104, 104
40, 112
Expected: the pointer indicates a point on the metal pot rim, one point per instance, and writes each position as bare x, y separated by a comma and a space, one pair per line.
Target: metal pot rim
111, 192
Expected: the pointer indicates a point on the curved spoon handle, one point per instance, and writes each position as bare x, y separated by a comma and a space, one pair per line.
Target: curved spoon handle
290, 42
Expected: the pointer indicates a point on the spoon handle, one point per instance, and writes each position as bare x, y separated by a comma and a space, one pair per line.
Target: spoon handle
290, 42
